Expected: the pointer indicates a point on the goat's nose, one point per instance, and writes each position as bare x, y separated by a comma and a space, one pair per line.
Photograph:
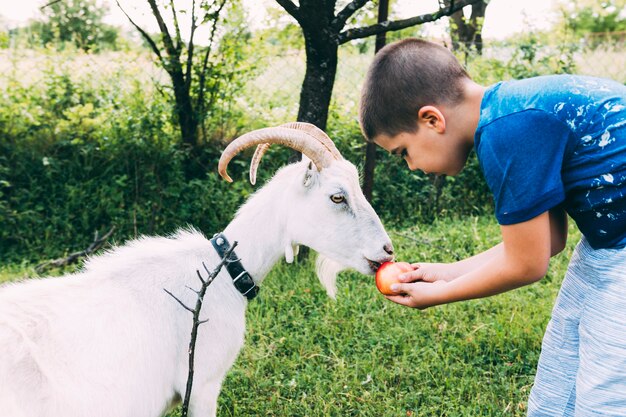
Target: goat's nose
388, 248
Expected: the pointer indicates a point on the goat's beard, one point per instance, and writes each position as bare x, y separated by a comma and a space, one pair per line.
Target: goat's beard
327, 270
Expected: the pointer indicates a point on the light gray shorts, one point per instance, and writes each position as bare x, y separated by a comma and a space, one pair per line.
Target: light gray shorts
582, 367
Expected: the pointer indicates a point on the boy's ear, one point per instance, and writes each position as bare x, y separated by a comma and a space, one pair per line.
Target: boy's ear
431, 117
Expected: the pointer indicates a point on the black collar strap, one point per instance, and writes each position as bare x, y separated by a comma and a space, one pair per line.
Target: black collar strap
241, 278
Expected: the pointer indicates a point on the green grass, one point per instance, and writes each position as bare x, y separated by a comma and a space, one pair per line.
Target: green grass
361, 355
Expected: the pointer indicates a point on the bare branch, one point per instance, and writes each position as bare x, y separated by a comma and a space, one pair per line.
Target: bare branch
342, 17
196, 320
205, 268
73, 257
145, 35
190, 45
205, 61
50, 4
200, 277
290, 8
179, 302
179, 39
191, 289
389, 26
165, 33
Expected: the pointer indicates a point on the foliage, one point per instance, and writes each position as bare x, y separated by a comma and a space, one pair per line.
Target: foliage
80, 154
197, 75
278, 35
4, 39
229, 69
598, 17
531, 56
73, 22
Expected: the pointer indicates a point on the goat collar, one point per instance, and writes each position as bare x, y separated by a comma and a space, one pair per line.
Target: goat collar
241, 278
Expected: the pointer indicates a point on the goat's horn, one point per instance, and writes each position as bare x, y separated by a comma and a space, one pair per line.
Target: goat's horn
256, 159
318, 134
308, 128
293, 138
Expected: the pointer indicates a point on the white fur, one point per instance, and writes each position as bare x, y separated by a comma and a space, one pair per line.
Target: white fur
108, 341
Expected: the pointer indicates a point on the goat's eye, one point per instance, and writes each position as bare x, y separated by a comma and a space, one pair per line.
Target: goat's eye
338, 198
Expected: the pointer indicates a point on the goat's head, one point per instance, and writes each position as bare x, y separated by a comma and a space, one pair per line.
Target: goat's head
327, 209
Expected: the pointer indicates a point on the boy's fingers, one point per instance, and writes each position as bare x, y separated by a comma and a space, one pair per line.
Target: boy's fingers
400, 288
400, 299
411, 276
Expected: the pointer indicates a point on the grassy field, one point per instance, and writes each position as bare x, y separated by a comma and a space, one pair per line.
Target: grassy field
361, 355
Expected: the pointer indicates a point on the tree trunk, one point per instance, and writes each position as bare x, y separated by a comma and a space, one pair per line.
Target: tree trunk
187, 119
317, 88
466, 33
370, 148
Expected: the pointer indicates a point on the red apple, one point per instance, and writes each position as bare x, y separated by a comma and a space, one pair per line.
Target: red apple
388, 274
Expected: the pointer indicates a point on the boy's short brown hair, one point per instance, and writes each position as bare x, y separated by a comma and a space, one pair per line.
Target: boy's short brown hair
404, 77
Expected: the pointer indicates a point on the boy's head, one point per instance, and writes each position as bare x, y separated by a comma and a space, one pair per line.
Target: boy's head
404, 77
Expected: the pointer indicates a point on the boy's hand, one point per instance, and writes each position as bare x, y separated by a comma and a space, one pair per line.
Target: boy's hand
419, 294
429, 272
424, 286
521, 259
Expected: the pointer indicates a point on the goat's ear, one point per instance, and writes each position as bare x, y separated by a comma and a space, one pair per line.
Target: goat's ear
310, 175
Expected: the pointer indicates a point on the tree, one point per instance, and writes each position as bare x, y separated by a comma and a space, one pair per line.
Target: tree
324, 31
75, 21
370, 148
467, 32
585, 18
189, 66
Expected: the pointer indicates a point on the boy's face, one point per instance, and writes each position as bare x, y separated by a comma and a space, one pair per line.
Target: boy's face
435, 146
424, 150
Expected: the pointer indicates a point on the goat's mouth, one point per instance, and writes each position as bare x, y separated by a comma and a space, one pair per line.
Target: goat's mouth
373, 265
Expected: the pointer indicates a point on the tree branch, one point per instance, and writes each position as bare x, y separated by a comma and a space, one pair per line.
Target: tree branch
196, 319
205, 61
179, 38
50, 4
389, 26
97, 243
342, 17
145, 35
165, 33
190, 45
290, 8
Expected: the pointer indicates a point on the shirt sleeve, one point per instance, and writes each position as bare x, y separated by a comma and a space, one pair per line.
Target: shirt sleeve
521, 155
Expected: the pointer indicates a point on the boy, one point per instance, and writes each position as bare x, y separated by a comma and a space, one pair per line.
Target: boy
548, 147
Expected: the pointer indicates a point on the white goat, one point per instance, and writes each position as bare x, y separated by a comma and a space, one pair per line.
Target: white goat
108, 341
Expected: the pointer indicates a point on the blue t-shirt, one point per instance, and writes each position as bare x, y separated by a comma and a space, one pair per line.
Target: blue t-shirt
557, 140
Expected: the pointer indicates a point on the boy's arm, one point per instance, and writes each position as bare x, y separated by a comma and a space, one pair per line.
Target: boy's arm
521, 259
558, 230
448, 272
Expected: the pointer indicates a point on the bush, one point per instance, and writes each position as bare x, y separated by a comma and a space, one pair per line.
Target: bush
80, 155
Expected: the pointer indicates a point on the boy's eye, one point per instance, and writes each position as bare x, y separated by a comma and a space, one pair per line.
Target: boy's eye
403, 154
